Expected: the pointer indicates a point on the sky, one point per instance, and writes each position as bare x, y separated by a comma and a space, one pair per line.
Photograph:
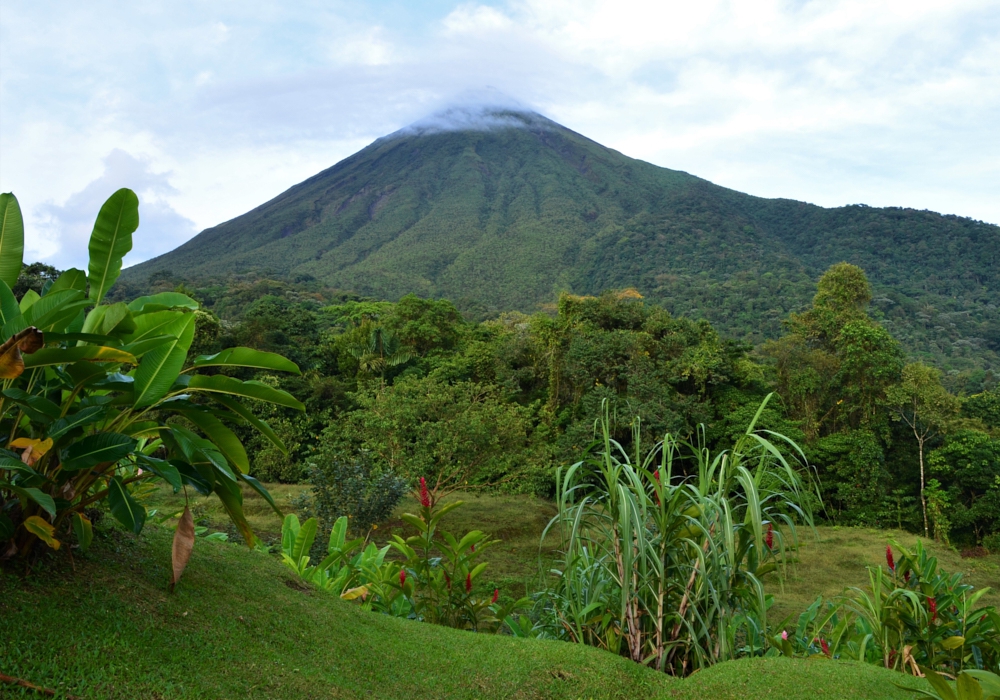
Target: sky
207, 110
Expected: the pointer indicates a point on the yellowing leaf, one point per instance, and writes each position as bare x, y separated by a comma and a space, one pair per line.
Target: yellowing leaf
33, 449
27, 341
42, 530
352, 593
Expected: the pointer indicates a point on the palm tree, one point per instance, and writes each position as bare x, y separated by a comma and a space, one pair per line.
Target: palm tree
379, 351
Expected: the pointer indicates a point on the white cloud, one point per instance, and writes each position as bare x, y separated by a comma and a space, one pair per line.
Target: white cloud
68, 225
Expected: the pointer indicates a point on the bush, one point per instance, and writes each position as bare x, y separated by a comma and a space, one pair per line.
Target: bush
353, 488
992, 543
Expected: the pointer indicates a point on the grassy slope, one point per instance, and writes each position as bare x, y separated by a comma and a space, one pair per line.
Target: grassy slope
240, 626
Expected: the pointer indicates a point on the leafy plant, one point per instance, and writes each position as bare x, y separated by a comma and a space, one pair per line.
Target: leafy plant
911, 616
664, 568
433, 583
969, 685
441, 571
99, 398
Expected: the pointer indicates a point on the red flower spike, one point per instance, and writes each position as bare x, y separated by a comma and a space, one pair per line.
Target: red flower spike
889, 559
468, 583
824, 646
425, 497
447, 580
496, 594
402, 577
656, 496
932, 606
906, 576
473, 549
769, 538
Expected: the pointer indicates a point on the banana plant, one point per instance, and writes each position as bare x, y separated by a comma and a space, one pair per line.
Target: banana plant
88, 388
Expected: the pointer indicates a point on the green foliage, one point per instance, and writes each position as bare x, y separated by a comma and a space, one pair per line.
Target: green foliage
970, 462
440, 572
434, 582
349, 486
667, 570
460, 433
11, 239
927, 409
969, 685
92, 405
911, 615
114, 632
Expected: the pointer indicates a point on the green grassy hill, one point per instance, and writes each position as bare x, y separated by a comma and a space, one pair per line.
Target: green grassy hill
505, 218
240, 626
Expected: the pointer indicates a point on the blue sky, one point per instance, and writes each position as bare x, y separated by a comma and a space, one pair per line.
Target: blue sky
210, 109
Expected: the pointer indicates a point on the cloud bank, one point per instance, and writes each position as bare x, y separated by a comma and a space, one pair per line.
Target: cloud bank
210, 110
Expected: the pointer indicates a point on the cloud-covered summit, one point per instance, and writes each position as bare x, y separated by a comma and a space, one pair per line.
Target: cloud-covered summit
477, 110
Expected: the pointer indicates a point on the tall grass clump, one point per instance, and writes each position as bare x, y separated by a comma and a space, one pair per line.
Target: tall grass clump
664, 551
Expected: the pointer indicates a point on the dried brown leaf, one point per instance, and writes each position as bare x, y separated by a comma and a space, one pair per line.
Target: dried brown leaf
183, 544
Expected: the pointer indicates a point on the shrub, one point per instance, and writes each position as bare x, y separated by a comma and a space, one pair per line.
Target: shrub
352, 488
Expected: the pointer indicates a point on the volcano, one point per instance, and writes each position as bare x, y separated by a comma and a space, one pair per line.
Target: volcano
499, 208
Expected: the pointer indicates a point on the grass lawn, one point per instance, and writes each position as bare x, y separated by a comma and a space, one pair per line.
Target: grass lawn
241, 626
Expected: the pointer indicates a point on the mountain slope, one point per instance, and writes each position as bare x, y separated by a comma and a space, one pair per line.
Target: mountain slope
505, 215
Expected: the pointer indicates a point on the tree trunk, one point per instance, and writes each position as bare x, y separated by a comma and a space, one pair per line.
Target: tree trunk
923, 498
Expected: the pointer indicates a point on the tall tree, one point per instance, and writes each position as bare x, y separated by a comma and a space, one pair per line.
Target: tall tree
836, 362
922, 403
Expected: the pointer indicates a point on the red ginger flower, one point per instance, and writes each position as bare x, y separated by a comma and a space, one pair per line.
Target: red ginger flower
447, 580
769, 537
402, 577
824, 646
425, 498
496, 594
468, 583
906, 575
932, 606
889, 559
656, 496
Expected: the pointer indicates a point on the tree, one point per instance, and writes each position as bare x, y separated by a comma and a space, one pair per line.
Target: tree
452, 433
923, 404
379, 350
969, 465
836, 362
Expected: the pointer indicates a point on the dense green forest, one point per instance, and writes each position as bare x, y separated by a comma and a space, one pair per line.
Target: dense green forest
507, 219
412, 388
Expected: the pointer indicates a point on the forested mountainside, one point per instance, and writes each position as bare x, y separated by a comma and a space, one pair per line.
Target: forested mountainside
503, 218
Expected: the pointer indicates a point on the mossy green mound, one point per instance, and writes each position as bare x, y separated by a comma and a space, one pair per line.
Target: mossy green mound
240, 625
